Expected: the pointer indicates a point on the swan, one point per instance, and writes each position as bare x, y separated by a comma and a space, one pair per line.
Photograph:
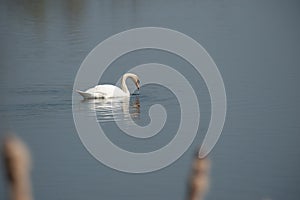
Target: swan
110, 91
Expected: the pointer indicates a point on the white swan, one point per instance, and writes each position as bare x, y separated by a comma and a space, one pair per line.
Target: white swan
110, 91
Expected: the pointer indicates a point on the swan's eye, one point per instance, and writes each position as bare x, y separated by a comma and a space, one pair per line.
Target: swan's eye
138, 81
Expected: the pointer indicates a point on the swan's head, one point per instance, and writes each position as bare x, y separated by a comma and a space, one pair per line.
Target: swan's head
137, 84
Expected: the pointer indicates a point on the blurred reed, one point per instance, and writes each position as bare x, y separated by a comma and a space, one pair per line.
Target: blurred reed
199, 180
17, 164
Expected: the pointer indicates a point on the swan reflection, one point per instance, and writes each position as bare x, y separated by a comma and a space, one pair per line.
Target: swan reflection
115, 109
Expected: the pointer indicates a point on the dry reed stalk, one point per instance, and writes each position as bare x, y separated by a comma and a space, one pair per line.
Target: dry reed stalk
17, 163
199, 179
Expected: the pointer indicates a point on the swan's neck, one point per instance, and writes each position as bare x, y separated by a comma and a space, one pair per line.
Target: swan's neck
123, 83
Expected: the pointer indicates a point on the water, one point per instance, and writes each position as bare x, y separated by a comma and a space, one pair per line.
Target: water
255, 45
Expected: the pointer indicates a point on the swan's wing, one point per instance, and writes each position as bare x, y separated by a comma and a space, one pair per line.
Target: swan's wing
96, 90
110, 90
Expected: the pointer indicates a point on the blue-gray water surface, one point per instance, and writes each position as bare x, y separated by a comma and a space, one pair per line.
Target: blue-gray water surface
255, 45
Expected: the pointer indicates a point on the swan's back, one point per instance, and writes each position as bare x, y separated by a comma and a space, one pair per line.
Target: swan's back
103, 91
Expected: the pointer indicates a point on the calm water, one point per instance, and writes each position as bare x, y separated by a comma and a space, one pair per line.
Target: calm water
255, 45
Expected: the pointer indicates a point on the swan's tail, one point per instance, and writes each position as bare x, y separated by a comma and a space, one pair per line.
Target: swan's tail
85, 95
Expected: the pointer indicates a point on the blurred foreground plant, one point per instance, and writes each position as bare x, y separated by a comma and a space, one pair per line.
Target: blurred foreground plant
17, 163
